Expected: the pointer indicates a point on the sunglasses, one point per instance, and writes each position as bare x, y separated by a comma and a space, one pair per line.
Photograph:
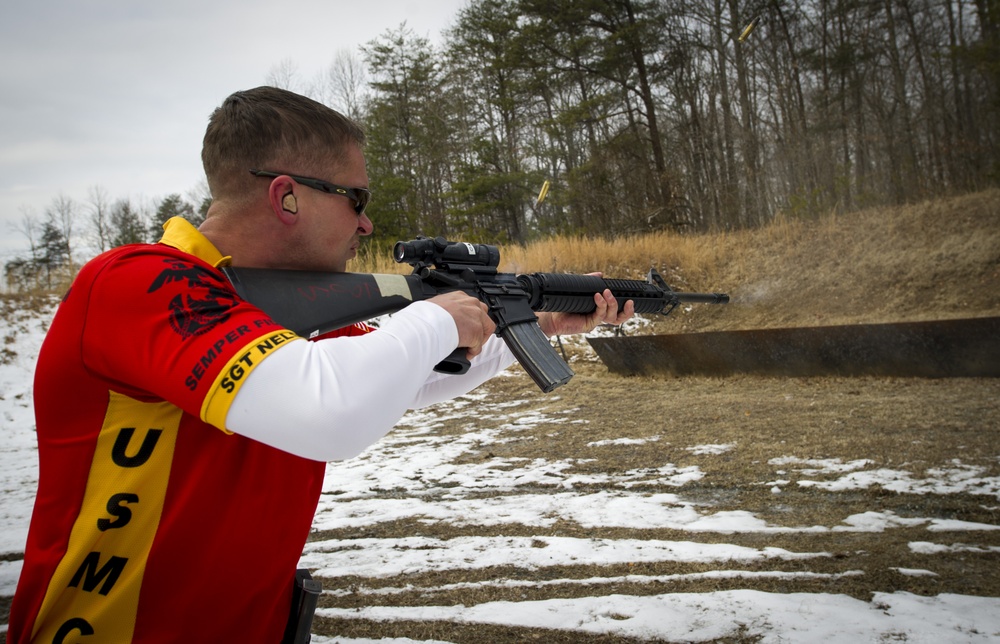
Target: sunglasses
360, 196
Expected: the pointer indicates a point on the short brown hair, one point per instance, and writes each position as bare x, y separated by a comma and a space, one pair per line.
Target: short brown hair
268, 128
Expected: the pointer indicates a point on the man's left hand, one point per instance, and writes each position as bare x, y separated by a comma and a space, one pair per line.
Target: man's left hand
606, 312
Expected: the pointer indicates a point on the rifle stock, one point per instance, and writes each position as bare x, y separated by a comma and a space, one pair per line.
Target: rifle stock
314, 303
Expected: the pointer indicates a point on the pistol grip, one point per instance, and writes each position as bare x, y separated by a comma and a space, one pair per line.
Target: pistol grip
455, 364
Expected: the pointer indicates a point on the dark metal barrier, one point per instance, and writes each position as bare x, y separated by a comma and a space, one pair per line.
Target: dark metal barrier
940, 349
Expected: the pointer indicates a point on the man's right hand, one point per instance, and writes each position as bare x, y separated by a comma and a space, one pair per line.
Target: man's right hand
470, 315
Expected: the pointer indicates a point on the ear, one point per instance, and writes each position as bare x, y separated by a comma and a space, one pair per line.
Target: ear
281, 197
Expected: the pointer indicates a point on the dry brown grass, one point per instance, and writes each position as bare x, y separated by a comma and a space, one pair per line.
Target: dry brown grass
625, 257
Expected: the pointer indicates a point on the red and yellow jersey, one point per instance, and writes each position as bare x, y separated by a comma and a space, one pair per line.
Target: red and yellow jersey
152, 523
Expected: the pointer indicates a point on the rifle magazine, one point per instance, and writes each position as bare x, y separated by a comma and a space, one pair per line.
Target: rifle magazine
537, 355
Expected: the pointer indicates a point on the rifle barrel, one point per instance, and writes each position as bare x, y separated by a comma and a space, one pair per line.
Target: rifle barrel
703, 298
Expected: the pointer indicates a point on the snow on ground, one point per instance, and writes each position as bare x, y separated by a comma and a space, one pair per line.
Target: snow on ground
22, 335
796, 617
422, 463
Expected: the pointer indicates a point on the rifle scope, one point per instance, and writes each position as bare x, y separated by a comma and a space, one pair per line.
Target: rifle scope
440, 252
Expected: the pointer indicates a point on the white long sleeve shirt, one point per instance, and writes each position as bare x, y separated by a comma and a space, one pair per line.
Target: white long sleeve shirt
349, 392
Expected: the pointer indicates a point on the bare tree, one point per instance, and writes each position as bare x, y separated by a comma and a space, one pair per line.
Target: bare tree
21, 273
284, 75
98, 212
201, 197
343, 84
29, 226
61, 214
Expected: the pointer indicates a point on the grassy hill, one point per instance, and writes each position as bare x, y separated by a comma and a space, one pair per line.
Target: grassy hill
933, 260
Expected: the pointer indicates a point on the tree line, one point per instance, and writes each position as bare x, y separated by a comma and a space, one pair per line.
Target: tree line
654, 114
646, 115
99, 224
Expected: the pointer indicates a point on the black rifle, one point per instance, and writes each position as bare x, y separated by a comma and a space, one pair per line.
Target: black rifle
311, 303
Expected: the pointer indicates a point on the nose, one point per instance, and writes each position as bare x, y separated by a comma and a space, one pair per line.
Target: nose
365, 225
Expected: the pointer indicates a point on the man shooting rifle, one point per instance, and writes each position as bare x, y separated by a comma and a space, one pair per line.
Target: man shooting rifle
312, 303
183, 432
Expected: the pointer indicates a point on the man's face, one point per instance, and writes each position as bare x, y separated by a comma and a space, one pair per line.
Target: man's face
330, 230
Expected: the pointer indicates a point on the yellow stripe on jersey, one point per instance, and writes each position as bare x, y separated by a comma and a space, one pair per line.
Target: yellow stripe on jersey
95, 588
234, 374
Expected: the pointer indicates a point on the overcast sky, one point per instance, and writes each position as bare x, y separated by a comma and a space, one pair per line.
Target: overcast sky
117, 93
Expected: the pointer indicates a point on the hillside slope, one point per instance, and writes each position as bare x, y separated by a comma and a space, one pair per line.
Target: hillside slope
934, 260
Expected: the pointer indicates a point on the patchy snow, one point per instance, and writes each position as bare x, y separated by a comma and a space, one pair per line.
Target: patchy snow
391, 557
436, 485
713, 450
624, 441
688, 617
959, 478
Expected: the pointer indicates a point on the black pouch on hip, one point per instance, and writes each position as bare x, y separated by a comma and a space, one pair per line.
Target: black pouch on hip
305, 594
